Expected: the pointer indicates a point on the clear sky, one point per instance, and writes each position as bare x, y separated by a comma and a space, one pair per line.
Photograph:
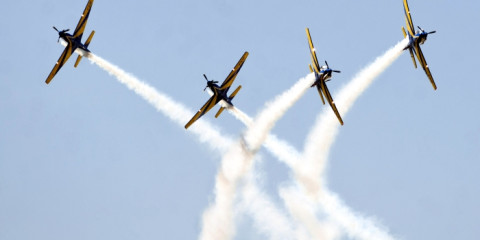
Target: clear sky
85, 158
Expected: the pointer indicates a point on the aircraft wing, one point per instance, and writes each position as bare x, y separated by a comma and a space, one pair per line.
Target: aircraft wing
329, 98
233, 74
209, 105
61, 61
408, 18
424, 65
316, 66
83, 20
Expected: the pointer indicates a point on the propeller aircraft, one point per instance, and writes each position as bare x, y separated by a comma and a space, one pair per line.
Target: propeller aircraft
220, 92
73, 42
416, 38
323, 74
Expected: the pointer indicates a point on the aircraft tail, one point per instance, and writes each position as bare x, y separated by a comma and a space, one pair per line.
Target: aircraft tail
230, 97
310, 66
409, 48
235, 92
405, 35
89, 39
79, 58
413, 57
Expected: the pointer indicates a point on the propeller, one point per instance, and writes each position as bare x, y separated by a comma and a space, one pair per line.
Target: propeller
208, 81
337, 71
421, 29
60, 33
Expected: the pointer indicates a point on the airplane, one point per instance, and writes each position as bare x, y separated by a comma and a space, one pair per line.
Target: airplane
73, 42
220, 92
323, 74
416, 38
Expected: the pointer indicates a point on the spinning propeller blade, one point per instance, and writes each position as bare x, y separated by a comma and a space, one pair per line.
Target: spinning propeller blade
205, 76
208, 81
337, 71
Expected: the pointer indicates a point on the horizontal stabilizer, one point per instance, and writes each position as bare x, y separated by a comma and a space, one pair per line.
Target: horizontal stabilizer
89, 39
219, 112
404, 33
79, 58
235, 92
413, 57
310, 66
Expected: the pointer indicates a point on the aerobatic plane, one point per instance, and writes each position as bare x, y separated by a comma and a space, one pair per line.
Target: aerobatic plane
73, 42
416, 38
323, 74
220, 92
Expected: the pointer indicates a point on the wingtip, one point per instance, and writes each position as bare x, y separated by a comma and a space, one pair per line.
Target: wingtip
434, 85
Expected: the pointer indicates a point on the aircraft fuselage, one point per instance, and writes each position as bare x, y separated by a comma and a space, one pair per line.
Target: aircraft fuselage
325, 75
222, 94
73, 41
421, 37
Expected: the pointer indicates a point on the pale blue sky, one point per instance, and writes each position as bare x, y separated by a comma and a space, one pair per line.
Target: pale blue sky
85, 158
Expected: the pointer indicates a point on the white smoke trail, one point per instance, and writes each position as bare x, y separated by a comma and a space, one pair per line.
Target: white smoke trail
280, 149
355, 225
266, 119
178, 113
204, 131
303, 215
257, 203
218, 220
303, 209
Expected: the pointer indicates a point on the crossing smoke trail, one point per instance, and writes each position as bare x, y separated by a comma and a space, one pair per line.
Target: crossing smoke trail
218, 219
310, 172
303, 209
253, 205
325, 130
207, 134
180, 115
279, 148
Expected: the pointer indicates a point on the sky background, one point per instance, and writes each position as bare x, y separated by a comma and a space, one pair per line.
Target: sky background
86, 158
